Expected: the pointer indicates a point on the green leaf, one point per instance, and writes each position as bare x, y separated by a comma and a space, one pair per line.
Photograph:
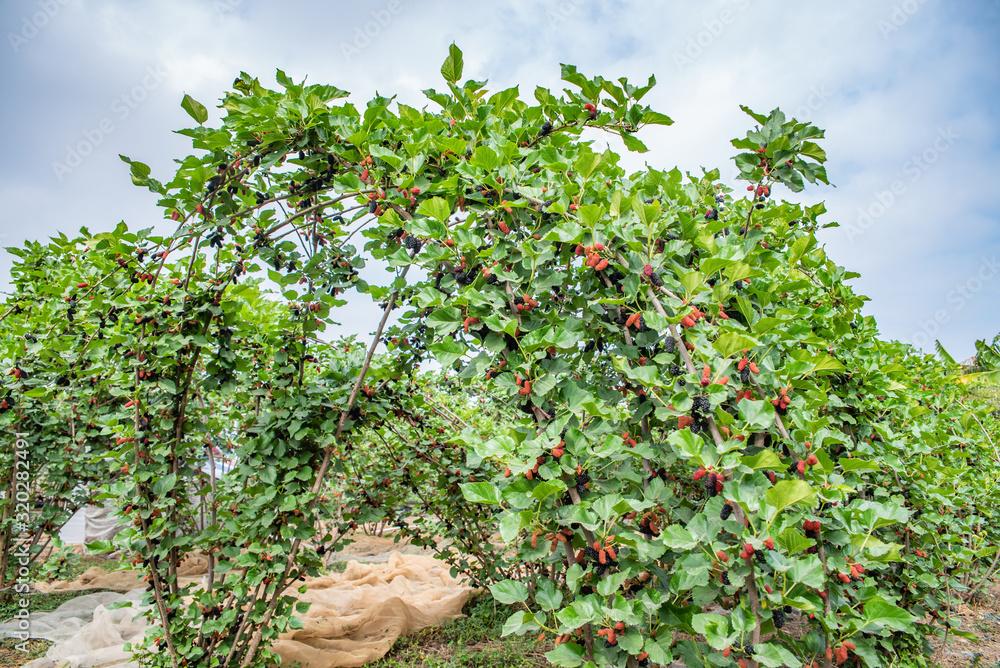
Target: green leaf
881, 615
509, 592
773, 656
812, 150
808, 571
165, 484
799, 248
854, 464
485, 158
677, 537
548, 596
730, 343
715, 628
510, 524
765, 459
567, 654
651, 117
481, 492
435, 207
385, 154
518, 623
791, 540
633, 144
823, 362
789, 492
445, 320
757, 414
195, 109
611, 583
452, 67
447, 350
692, 280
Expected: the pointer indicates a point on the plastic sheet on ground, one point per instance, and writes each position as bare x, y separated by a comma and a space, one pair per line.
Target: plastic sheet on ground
355, 616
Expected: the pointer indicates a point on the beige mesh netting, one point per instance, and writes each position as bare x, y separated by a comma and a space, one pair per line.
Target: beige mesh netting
355, 616
190, 570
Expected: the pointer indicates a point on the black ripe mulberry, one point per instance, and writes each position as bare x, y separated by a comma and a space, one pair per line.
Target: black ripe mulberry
674, 369
727, 510
655, 279
670, 345
546, 129
581, 482
745, 374
779, 618
725, 578
710, 484
702, 405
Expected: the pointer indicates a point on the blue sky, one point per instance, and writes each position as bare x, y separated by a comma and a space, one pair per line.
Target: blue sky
908, 91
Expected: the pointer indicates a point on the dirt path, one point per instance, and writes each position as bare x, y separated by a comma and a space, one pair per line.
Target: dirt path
982, 619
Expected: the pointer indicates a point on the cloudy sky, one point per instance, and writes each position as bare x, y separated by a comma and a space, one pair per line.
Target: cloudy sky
907, 90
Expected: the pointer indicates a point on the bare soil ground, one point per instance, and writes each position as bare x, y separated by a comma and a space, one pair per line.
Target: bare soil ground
981, 618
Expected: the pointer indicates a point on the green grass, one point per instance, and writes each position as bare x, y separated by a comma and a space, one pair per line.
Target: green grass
470, 642
337, 567
12, 657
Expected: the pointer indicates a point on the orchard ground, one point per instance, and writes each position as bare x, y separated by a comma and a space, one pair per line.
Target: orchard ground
475, 641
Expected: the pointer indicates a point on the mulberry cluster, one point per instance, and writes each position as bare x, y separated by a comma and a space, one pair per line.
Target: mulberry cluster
713, 482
